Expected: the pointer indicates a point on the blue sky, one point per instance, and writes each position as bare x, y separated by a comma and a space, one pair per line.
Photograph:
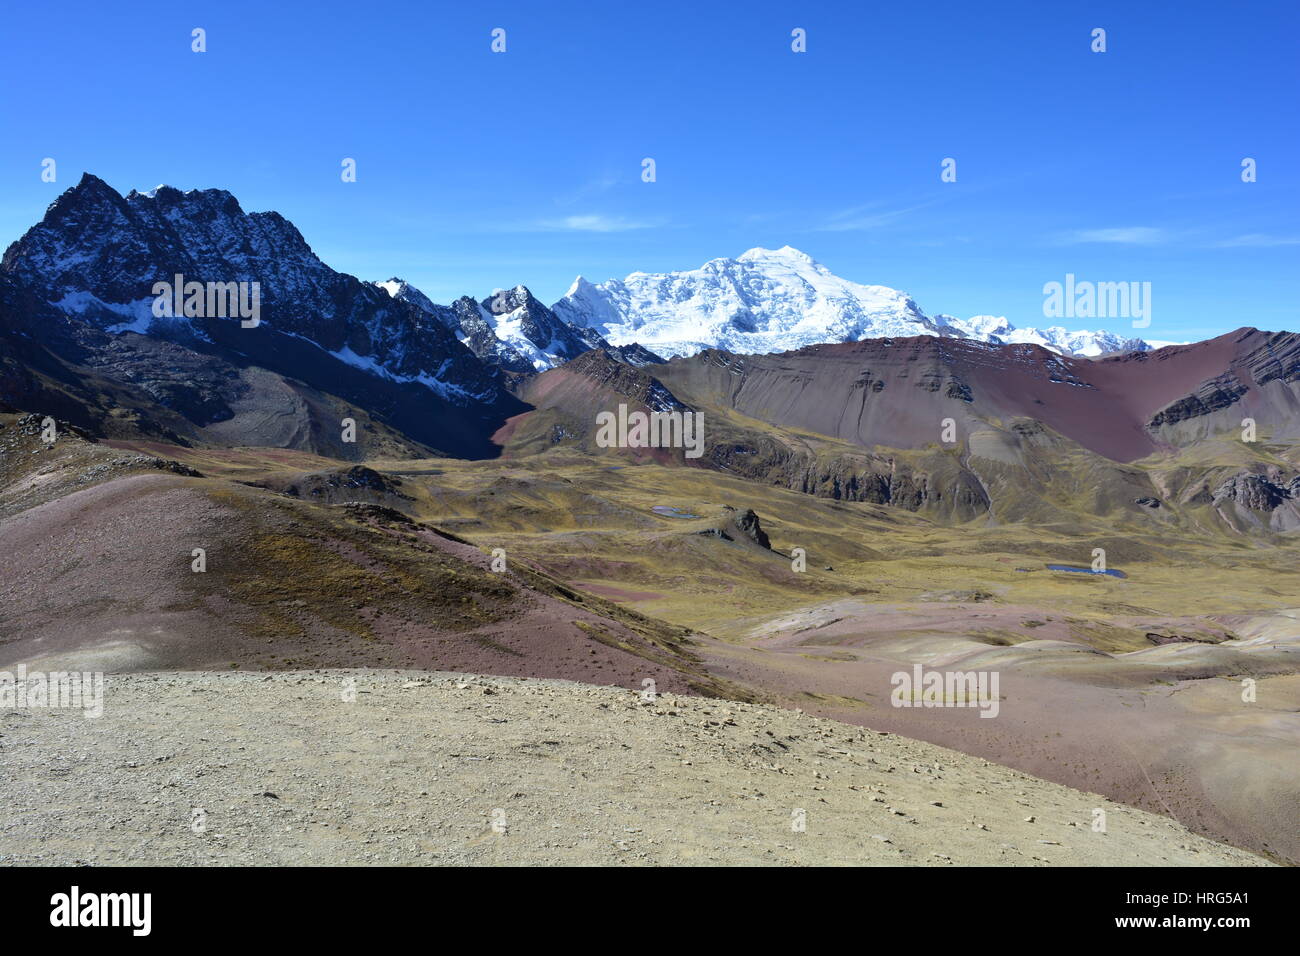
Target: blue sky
478, 170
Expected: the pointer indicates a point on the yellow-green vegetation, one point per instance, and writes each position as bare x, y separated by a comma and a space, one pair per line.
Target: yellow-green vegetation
342, 570
586, 521
589, 520
350, 566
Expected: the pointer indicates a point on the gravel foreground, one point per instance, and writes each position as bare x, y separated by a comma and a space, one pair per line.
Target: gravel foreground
420, 769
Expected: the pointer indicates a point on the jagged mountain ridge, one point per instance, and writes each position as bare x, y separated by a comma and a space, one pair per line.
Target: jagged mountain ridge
514, 331
81, 290
97, 255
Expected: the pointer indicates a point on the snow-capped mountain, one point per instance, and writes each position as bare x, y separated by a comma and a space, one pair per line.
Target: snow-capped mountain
533, 330
400, 289
513, 330
79, 296
779, 300
763, 301
510, 328
997, 330
472, 325
97, 255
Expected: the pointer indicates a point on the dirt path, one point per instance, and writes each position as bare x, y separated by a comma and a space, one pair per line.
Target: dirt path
416, 769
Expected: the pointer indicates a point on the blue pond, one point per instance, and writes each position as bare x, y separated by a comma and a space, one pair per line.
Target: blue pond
668, 512
1065, 567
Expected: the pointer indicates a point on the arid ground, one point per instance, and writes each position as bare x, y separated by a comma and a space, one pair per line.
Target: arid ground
436, 768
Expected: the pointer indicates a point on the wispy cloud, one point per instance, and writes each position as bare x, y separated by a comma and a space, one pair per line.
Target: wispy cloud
595, 186
1124, 235
1258, 240
1191, 237
597, 222
589, 222
866, 217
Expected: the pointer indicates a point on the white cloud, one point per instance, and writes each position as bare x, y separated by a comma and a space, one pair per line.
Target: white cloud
591, 222
599, 223
1258, 240
592, 187
866, 217
1125, 235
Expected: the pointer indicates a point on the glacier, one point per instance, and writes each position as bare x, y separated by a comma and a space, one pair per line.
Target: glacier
778, 300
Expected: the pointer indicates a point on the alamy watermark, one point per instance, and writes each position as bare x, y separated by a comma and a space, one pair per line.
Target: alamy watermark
1074, 299
57, 689
179, 298
651, 430
921, 688
133, 911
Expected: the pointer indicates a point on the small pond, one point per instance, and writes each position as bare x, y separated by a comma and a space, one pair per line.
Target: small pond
1065, 567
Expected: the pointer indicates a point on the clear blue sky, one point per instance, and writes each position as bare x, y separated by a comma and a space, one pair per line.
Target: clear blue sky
478, 170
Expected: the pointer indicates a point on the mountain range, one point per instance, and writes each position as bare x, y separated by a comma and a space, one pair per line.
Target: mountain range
781, 300
770, 337
763, 301
96, 255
